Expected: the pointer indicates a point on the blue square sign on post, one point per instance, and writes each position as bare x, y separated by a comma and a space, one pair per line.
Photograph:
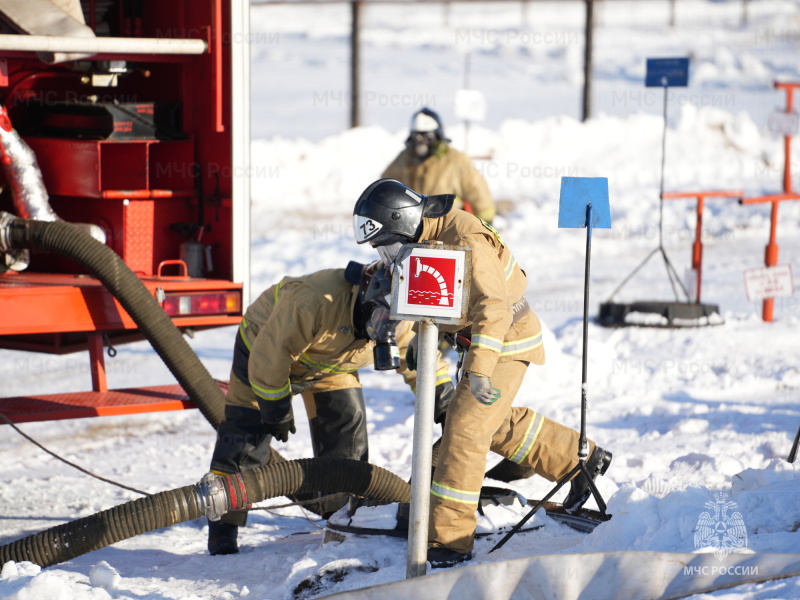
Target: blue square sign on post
667, 72
576, 194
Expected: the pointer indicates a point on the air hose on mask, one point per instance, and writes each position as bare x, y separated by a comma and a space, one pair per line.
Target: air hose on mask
212, 497
104, 264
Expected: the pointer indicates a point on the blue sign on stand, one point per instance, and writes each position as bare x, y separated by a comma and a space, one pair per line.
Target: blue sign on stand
576, 194
667, 72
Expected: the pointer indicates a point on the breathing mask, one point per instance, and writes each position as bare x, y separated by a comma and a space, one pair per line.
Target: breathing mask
422, 143
371, 315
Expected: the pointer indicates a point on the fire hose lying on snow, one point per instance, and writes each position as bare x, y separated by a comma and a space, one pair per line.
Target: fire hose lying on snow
211, 497
214, 495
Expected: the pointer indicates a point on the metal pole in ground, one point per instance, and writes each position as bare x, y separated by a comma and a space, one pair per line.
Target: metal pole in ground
355, 63
587, 61
430, 284
428, 338
583, 444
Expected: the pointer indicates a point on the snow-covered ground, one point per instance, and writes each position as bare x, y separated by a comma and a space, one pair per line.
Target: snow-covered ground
687, 412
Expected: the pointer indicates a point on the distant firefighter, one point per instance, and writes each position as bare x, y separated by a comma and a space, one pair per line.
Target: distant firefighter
430, 166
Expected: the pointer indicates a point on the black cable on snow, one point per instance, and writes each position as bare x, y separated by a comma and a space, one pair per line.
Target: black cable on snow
65, 461
275, 458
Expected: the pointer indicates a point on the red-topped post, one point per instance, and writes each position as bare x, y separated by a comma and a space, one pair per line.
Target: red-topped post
697, 247
771, 251
789, 88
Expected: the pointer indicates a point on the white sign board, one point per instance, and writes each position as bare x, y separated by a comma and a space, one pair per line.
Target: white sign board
768, 282
470, 105
431, 282
783, 123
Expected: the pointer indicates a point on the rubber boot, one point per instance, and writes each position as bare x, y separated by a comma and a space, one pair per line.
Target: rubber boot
579, 490
339, 430
222, 538
442, 558
241, 445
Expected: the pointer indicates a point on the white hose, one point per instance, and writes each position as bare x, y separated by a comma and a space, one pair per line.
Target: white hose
23, 175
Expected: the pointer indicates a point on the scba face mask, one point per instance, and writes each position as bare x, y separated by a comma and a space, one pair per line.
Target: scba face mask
422, 143
381, 330
371, 317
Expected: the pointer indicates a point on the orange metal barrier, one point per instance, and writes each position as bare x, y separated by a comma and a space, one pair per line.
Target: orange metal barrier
771, 251
697, 247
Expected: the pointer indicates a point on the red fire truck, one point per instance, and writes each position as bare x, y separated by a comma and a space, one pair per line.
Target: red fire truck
129, 119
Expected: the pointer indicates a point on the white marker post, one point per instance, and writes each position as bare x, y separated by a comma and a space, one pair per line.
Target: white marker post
430, 284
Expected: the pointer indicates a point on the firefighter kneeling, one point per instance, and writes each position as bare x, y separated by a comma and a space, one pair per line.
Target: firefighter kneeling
309, 335
506, 336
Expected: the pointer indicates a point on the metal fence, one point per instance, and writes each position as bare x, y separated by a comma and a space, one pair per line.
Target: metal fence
357, 87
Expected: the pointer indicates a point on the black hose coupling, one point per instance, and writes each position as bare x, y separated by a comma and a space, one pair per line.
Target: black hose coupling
5, 225
13, 257
213, 499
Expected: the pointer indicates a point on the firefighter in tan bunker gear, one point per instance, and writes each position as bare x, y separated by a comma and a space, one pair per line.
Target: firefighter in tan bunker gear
506, 336
309, 335
430, 165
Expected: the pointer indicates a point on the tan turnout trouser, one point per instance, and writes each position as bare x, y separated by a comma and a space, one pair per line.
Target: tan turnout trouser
471, 430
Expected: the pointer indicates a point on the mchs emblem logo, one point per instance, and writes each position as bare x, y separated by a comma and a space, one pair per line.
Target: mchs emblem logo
721, 528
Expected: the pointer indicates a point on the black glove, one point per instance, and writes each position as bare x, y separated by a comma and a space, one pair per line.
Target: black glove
278, 417
444, 393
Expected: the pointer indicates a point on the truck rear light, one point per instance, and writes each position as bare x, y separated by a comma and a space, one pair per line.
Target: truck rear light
202, 303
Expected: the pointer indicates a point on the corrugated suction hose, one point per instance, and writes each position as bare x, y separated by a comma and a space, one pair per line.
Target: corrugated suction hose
214, 495
211, 497
105, 265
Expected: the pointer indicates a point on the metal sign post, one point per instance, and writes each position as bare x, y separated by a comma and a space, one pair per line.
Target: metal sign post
583, 203
664, 73
430, 284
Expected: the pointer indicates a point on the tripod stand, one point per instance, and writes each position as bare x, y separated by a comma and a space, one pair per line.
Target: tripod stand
569, 218
672, 274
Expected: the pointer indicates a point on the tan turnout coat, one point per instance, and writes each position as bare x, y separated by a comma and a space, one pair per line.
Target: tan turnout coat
301, 330
498, 284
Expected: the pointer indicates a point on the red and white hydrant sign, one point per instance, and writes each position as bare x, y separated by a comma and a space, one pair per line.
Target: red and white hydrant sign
430, 281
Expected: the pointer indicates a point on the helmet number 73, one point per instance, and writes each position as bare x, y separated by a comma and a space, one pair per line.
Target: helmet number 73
366, 228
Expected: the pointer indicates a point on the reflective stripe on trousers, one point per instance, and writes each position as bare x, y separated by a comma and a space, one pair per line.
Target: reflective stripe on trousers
471, 430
